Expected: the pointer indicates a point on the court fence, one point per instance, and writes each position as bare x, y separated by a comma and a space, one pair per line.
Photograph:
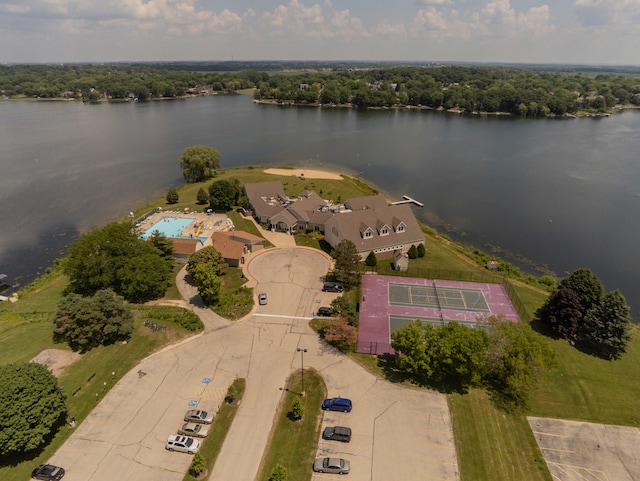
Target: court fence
465, 276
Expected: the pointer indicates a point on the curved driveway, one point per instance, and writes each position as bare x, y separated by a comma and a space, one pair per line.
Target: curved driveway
398, 433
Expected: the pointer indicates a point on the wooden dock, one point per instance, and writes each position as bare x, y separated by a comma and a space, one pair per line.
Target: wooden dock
408, 200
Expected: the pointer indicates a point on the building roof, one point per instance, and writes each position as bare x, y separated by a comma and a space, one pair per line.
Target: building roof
266, 198
184, 246
228, 248
245, 237
306, 205
355, 224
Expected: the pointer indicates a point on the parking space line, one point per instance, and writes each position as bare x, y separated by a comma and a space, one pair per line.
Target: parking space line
550, 434
557, 450
575, 472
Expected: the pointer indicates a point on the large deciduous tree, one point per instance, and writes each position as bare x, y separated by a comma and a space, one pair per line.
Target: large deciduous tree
199, 163
451, 354
341, 333
205, 267
114, 257
606, 327
516, 356
223, 195
210, 257
588, 287
32, 407
87, 322
347, 263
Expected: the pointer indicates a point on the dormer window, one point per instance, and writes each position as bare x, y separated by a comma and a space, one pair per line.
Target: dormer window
367, 234
384, 230
400, 227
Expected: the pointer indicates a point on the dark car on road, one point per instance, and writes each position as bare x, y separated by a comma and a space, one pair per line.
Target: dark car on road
48, 472
337, 433
332, 287
337, 404
325, 311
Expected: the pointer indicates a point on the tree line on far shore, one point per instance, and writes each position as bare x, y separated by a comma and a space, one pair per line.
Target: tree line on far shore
523, 92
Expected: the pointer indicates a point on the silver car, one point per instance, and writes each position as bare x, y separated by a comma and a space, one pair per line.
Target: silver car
262, 299
197, 416
182, 444
194, 429
332, 465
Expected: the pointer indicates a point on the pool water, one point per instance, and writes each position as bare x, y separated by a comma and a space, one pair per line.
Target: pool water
171, 227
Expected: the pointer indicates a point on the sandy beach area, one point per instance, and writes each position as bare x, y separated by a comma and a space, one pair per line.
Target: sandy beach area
308, 173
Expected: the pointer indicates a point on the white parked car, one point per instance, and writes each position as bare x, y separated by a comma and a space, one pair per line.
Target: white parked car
183, 444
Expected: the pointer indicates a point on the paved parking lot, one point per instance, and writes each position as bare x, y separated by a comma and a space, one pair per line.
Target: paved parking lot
399, 434
584, 451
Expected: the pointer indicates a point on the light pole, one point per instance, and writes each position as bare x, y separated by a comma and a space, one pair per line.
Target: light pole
302, 351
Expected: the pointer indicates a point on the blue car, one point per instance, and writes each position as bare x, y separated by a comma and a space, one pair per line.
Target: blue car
337, 404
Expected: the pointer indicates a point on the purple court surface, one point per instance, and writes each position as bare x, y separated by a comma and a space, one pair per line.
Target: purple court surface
389, 302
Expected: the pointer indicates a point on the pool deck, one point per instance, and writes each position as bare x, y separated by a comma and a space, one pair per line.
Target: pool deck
210, 223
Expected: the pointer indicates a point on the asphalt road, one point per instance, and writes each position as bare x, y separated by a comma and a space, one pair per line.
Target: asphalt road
399, 433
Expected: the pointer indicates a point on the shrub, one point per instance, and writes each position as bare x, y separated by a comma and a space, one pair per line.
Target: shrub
371, 260
202, 196
421, 250
279, 473
172, 196
197, 465
413, 252
297, 409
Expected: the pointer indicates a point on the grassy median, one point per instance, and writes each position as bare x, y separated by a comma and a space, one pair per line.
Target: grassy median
293, 444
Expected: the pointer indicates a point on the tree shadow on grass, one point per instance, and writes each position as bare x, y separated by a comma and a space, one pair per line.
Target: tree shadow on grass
387, 364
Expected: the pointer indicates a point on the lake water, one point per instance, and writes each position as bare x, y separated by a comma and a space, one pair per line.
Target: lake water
557, 193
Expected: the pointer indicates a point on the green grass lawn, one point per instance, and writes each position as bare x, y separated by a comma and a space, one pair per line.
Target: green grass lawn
293, 444
587, 388
492, 444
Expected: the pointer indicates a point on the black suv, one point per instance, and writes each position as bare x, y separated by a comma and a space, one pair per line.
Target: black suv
331, 287
337, 433
325, 311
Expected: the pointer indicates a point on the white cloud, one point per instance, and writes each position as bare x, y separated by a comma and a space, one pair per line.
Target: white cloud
497, 18
433, 2
606, 12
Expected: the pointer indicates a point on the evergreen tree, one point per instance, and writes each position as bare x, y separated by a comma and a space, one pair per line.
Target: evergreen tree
203, 196
562, 312
413, 252
371, 260
421, 250
172, 196
347, 263
607, 327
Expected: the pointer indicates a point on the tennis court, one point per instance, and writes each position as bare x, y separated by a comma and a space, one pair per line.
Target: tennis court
389, 302
436, 296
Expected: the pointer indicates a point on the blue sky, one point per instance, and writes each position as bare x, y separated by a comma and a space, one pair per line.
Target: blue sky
524, 31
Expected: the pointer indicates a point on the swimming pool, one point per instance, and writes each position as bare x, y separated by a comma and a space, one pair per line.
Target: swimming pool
171, 227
